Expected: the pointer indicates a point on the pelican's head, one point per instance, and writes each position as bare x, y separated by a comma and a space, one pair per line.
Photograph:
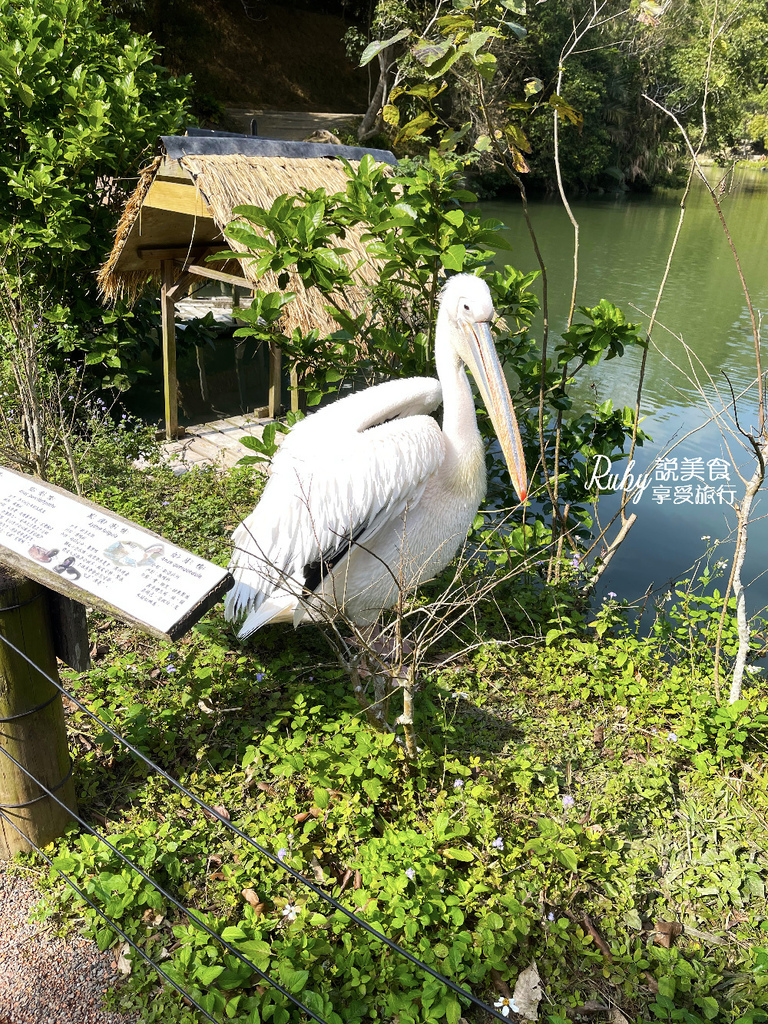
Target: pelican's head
467, 304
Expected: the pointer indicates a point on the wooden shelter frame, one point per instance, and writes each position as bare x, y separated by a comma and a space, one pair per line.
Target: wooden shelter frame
176, 218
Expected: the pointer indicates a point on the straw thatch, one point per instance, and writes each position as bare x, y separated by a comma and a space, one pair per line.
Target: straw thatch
224, 181
115, 285
230, 181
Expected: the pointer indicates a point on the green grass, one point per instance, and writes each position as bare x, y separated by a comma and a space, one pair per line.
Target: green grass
566, 799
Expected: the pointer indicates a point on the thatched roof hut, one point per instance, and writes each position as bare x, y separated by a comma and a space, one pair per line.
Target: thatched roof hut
184, 201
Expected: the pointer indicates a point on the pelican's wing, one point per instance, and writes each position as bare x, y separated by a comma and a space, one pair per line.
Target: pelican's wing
339, 477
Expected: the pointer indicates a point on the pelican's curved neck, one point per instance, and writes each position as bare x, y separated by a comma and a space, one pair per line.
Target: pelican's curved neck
459, 419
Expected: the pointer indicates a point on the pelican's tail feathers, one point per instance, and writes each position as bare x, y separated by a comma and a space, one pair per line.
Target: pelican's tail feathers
241, 599
274, 609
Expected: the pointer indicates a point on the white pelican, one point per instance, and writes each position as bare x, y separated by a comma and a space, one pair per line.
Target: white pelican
369, 496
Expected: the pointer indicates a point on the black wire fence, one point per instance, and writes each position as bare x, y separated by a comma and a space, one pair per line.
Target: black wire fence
464, 993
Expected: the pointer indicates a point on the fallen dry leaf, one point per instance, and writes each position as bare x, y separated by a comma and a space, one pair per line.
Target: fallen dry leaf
500, 985
599, 941
252, 897
598, 736
266, 788
123, 963
651, 982
591, 1008
220, 809
358, 880
666, 932
528, 992
299, 818
617, 1017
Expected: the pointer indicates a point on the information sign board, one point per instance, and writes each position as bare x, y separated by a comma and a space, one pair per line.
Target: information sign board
75, 547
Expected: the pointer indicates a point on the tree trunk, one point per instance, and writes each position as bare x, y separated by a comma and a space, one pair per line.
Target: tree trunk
369, 124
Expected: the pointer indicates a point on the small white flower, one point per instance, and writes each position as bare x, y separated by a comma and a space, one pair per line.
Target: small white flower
459, 783
410, 873
498, 843
568, 801
752, 669
672, 737
282, 853
505, 1005
291, 911
706, 537
550, 916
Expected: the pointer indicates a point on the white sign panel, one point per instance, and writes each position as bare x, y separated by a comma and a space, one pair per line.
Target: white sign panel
132, 570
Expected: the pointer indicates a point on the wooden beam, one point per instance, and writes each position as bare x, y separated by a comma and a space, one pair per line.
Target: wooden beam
217, 275
295, 400
176, 291
275, 368
170, 384
176, 252
172, 170
177, 197
69, 624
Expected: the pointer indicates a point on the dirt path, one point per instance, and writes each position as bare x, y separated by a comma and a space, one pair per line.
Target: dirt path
45, 979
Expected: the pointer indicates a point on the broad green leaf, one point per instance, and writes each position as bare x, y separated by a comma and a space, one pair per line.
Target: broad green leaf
567, 857
460, 854
207, 975
374, 48
454, 257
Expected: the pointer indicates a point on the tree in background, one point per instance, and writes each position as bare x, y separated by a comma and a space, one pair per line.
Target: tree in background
441, 69
83, 103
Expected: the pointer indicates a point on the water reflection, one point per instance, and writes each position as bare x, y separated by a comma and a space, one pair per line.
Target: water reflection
624, 247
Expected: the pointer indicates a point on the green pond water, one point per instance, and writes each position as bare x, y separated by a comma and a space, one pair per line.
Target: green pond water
624, 246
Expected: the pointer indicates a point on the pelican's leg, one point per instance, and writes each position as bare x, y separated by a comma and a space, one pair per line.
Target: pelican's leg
357, 670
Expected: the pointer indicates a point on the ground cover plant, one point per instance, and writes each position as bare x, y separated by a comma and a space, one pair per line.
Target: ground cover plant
573, 804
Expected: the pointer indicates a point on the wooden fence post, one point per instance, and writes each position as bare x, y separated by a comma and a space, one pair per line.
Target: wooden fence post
32, 728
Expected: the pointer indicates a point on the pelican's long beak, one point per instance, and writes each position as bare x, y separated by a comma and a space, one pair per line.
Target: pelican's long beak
487, 371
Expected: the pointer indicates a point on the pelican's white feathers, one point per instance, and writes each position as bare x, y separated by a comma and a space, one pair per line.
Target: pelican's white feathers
370, 496
333, 479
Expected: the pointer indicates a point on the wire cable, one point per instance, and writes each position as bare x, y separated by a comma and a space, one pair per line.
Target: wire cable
171, 899
212, 812
109, 921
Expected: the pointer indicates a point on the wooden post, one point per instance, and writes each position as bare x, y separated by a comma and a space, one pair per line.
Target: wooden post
170, 384
275, 369
32, 726
295, 402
